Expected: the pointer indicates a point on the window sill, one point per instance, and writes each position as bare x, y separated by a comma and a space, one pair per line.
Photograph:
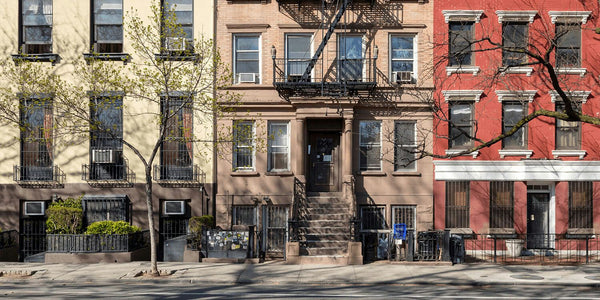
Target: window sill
462, 69
517, 70
583, 231
407, 173
516, 152
474, 154
279, 173
501, 231
572, 71
177, 57
47, 57
124, 57
559, 153
244, 173
371, 173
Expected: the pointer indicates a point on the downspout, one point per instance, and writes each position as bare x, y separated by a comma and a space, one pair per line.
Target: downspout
214, 120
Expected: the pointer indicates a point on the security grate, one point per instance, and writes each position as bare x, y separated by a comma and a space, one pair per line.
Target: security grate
501, 204
457, 204
104, 208
372, 217
406, 214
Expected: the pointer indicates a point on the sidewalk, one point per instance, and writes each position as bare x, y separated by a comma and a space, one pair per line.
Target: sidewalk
281, 274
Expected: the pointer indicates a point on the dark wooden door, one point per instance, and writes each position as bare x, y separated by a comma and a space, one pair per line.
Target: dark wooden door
538, 221
324, 162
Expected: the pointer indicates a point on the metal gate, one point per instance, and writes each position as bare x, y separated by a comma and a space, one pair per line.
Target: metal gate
32, 238
173, 237
275, 220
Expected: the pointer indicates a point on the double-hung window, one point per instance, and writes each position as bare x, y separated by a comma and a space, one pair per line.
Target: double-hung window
515, 40
243, 146
106, 137
246, 58
298, 55
461, 43
580, 204
372, 217
107, 23
405, 146
176, 152
457, 204
350, 57
243, 215
568, 133
370, 146
512, 113
36, 21
279, 150
501, 204
406, 214
461, 124
403, 58
178, 25
568, 45
36, 138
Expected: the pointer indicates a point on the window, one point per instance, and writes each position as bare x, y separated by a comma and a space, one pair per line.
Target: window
402, 57
179, 25
243, 215
298, 55
372, 217
243, 146
36, 138
106, 138
350, 57
501, 204
279, 151
406, 214
461, 124
406, 146
457, 204
246, 58
568, 134
36, 18
176, 152
461, 40
568, 45
515, 40
102, 208
512, 113
370, 145
107, 22
580, 204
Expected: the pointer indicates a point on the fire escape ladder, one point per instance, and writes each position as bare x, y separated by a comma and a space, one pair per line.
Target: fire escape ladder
336, 20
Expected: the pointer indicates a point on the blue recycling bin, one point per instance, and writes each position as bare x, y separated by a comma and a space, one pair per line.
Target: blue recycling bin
400, 231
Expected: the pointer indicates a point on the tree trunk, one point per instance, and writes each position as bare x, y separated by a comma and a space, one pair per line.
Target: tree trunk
153, 246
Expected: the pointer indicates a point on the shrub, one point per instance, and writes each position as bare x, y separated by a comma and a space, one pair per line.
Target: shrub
111, 227
65, 216
196, 223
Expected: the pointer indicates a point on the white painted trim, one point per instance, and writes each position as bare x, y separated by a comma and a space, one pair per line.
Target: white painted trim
584, 15
464, 69
572, 71
461, 15
474, 94
505, 95
454, 152
552, 209
523, 170
581, 96
559, 153
519, 15
526, 153
517, 70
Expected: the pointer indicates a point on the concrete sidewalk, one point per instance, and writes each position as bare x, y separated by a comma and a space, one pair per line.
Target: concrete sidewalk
282, 274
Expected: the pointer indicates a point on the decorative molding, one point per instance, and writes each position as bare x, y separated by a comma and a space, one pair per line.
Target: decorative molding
518, 170
474, 154
581, 96
247, 27
515, 152
575, 71
517, 70
570, 15
468, 95
504, 95
578, 153
462, 69
516, 15
462, 15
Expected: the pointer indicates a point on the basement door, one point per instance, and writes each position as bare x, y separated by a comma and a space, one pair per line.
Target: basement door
538, 220
275, 221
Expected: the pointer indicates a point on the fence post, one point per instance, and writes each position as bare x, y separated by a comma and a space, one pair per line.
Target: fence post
495, 240
251, 241
446, 245
587, 248
410, 245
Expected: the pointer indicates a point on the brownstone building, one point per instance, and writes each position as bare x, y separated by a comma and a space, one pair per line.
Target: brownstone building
324, 141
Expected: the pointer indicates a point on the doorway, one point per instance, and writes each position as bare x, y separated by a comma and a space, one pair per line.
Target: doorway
538, 217
323, 162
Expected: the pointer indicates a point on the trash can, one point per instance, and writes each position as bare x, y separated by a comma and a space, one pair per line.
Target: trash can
457, 249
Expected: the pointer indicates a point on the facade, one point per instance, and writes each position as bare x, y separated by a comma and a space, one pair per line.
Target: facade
39, 166
539, 184
323, 143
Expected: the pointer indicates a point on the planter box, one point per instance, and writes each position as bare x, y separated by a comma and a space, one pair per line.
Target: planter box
514, 247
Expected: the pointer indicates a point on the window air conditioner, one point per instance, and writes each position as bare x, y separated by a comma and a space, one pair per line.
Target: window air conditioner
175, 44
103, 156
247, 77
402, 77
174, 207
34, 208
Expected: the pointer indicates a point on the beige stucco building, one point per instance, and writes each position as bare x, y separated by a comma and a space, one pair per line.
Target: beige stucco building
325, 137
59, 34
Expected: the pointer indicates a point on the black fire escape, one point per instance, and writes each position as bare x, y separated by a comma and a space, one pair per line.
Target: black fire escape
348, 73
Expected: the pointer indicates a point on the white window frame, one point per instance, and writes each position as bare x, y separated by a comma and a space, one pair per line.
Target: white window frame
312, 50
361, 144
413, 207
415, 58
234, 41
236, 146
397, 145
270, 146
363, 49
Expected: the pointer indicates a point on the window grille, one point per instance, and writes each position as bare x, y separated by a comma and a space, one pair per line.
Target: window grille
370, 145
36, 139
501, 204
244, 215
105, 208
176, 152
106, 138
372, 217
406, 214
457, 204
581, 204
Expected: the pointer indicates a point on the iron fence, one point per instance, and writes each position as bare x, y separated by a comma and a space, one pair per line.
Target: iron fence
9, 239
95, 243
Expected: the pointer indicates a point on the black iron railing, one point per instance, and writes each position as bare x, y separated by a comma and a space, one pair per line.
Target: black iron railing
173, 174
108, 174
94, 243
36, 176
9, 239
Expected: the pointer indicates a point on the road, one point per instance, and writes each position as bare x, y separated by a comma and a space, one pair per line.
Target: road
168, 290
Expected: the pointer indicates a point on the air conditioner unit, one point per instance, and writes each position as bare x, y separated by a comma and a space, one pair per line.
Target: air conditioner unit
174, 207
103, 156
247, 77
402, 76
175, 44
35, 208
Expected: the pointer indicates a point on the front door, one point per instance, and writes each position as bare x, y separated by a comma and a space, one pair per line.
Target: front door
538, 220
323, 161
